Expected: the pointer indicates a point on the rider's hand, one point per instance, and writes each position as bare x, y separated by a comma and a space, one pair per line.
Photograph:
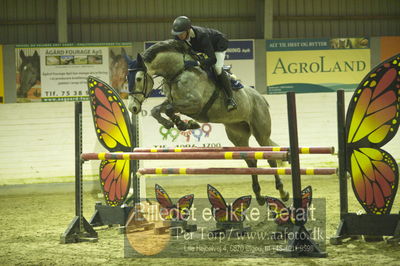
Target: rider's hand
190, 64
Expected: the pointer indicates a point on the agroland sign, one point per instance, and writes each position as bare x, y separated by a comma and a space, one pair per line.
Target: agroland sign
283, 67
316, 65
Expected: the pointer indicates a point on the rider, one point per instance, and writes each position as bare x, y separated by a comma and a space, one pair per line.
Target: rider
210, 42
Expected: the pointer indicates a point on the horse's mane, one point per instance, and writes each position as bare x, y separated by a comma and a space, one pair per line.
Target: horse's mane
164, 46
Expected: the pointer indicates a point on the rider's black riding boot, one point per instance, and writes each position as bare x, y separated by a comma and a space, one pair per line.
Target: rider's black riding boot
227, 89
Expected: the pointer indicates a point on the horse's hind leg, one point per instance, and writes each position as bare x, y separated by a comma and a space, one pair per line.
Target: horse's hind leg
278, 182
256, 184
239, 135
262, 137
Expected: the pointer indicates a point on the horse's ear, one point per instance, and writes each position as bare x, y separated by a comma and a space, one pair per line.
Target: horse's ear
112, 54
35, 54
140, 61
123, 52
22, 54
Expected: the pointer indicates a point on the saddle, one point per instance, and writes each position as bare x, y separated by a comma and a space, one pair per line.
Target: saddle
235, 82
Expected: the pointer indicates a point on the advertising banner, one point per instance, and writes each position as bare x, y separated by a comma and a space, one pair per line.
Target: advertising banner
240, 55
316, 65
1, 76
59, 72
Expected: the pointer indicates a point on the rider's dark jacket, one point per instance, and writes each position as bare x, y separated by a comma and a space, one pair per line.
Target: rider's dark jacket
207, 41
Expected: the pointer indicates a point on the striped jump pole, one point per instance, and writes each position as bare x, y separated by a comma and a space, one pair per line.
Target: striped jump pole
235, 171
302, 150
280, 155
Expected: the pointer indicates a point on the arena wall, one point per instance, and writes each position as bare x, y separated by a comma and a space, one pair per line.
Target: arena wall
37, 139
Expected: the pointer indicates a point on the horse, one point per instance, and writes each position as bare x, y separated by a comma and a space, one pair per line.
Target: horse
191, 92
118, 70
29, 71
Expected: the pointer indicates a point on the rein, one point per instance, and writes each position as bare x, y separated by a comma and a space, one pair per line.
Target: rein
178, 73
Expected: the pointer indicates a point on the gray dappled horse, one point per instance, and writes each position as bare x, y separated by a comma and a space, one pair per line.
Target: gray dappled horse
189, 91
29, 72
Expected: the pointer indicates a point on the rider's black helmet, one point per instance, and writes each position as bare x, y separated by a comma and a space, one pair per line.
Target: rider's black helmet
180, 25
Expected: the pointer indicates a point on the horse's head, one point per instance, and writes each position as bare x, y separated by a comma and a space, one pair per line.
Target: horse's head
118, 69
140, 83
29, 72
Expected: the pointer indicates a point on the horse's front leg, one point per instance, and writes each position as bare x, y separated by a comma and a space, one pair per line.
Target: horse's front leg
156, 113
181, 125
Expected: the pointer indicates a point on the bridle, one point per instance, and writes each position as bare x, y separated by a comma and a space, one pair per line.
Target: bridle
144, 92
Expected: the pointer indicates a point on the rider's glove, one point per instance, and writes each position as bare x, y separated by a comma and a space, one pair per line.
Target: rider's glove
190, 64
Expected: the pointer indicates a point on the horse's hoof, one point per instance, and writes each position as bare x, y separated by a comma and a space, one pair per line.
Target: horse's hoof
192, 124
285, 197
182, 126
261, 201
168, 124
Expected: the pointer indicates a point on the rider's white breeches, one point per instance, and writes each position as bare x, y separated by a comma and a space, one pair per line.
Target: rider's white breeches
220, 62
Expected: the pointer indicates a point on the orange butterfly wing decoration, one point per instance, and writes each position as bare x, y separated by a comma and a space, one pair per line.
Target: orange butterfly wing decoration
111, 120
283, 215
372, 121
175, 212
227, 213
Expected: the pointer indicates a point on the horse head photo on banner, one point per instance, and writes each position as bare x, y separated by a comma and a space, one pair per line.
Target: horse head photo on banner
28, 70
118, 71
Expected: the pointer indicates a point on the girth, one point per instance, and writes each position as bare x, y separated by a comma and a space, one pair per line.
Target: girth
202, 116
